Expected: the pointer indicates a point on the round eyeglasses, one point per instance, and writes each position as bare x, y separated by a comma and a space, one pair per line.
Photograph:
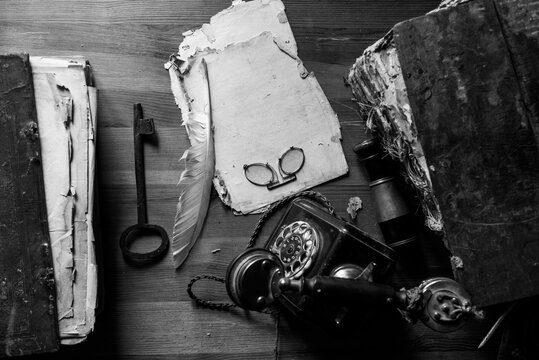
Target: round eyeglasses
262, 174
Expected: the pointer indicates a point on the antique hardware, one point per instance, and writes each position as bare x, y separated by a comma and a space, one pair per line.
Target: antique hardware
324, 270
142, 127
396, 221
256, 280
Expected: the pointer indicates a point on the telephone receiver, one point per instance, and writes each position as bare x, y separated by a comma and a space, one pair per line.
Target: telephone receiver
256, 280
327, 271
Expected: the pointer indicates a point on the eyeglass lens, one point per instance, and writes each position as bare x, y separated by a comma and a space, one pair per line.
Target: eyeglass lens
291, 161
259, 174
264, 174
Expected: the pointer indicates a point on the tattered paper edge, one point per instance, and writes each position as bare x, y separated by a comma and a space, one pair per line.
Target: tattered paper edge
78, 333
332, 122
378, 86
180, 64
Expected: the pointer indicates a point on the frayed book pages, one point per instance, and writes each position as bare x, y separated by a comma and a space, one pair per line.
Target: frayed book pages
66, 103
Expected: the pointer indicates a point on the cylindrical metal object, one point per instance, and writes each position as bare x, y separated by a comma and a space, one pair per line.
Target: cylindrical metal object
347, 292
388, 201
394, 217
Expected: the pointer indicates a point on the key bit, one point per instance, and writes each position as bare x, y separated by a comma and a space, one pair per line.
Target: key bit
145, 126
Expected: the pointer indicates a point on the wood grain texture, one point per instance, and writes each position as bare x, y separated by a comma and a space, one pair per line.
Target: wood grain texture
147, 313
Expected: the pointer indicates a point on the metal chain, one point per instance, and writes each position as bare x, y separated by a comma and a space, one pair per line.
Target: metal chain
259, 225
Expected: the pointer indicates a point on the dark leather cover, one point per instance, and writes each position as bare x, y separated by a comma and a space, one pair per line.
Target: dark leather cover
478, 140
520, 22
27, 292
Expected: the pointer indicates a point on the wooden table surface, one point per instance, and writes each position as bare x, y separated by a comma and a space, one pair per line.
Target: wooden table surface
147, 313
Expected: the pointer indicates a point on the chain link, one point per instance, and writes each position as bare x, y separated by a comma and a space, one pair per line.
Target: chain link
252, 240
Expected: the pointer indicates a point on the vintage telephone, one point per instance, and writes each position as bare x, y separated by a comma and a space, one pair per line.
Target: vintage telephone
327, 271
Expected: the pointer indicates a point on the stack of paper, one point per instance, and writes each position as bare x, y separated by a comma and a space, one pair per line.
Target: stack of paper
66, 105
263, 100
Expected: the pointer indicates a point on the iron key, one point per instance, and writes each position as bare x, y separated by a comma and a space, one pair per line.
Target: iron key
141, 127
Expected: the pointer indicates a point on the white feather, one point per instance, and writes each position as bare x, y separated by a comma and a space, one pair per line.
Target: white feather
195, 181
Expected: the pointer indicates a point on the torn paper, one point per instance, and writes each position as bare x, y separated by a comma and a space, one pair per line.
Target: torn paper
354, 205
66, 108
379, 89
238, 23
264, 101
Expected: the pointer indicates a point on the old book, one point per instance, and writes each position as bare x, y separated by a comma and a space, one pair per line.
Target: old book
451, 95
66, 103
27, 288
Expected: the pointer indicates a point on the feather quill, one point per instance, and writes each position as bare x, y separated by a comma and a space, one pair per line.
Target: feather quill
195, 181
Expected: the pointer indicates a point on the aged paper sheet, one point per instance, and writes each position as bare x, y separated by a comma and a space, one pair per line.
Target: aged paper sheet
263, 102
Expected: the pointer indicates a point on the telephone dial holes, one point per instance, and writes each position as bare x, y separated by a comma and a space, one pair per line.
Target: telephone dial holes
296, 245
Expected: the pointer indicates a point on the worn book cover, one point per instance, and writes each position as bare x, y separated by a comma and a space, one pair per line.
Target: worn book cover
27, 289
451, 95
